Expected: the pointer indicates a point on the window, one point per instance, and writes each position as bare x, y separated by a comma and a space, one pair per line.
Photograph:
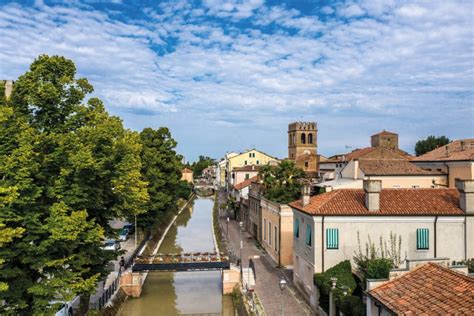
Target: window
310, 138
332, 238
264, 229
308, 239
276, 240
247, 176
306, 164
269, 233
422, 239
303, 138
296, 228
258, 162
250, 155
245, 162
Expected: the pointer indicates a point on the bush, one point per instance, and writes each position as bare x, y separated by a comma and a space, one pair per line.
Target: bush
343, 272
184, 190
379, 268
352, 305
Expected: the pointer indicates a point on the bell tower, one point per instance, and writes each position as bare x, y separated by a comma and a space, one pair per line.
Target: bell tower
302, 139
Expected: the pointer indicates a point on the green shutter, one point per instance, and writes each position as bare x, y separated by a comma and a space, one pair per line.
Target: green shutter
296, 229
422, 239
308, 235
332, 238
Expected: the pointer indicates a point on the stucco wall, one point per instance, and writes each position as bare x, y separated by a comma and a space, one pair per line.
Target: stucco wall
455, 169
239, 176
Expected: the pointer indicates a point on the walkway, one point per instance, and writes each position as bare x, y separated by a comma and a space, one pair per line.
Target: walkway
268, 275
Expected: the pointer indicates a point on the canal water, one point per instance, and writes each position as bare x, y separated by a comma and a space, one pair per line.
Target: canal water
184, 293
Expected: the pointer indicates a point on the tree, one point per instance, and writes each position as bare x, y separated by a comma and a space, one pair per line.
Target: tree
430, 143
202, 163
281, 182
73, 168
161, 168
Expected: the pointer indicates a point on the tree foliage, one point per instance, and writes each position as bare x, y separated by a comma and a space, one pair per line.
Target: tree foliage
198, 166
430, 143
161, 168
281, 182
66, 169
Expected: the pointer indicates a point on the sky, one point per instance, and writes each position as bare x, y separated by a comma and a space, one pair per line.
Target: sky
231, 75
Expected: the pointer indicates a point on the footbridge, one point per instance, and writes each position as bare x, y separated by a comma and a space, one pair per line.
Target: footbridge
199, 261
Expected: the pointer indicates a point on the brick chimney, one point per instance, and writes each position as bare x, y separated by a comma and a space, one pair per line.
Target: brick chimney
306, 193
466, 195
372, 190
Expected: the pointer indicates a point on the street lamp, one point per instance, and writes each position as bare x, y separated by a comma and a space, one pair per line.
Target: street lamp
332, 303
227, 227
241, 245
282, 284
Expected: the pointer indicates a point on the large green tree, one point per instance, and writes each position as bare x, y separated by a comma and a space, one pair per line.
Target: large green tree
161, 168
72, 168
431, 142
281, 182
202, 163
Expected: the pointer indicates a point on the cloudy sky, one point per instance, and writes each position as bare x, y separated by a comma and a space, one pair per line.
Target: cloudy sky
231, 74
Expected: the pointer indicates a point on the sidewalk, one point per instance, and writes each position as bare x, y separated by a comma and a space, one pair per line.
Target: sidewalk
267, 275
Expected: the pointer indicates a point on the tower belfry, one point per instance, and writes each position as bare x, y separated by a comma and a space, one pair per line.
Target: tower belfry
302, 139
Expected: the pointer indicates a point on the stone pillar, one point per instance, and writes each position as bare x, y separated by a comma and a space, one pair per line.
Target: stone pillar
131, 283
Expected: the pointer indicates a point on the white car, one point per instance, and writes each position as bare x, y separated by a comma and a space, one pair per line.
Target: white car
111, 244
66, 307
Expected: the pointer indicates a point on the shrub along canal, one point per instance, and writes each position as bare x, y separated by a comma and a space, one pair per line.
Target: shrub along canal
181, 293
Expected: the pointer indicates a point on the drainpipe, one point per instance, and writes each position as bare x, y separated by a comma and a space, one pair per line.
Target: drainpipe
322, 244
435, 229
279, 239
465, 238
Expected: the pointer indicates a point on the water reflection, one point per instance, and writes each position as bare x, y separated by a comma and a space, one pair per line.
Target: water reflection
184, 292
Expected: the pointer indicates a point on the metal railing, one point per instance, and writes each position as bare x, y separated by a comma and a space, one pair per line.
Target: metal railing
109, 292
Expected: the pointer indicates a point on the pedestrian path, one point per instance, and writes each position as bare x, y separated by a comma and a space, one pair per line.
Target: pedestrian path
267, 275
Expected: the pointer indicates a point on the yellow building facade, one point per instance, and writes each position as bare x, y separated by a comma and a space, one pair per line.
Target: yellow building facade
250, 157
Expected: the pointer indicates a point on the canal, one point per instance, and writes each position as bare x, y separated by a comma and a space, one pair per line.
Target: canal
182, 293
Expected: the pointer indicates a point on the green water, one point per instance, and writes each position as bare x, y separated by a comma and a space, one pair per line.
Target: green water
182, 293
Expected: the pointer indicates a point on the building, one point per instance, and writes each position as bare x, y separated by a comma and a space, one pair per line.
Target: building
221, 174
255, 211
241, 189
425, 289
455, 159
187, 175
249, 157
328, 227
384, 139
240, 174
277, 232
302, 145
394, 173
384, 145
7, 86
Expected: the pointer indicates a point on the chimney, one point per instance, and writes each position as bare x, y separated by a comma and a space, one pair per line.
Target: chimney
466, 195
372, 190
305, 193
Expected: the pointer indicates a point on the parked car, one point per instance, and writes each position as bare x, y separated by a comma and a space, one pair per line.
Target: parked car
130, 227
123, 234
66, 308
111, 244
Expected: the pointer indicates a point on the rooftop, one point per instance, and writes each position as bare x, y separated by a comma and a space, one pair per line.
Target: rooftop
384, 132
392, 202
245, 183
247, 168
186, 170
458, 150
391, 167
430, 287
371, 152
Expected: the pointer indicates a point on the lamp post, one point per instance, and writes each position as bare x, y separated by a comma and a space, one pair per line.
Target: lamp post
282, 284
227, 227
332, 304
136, 238
241, 245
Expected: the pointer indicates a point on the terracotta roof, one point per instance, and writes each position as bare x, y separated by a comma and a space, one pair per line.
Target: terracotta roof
426, 290
392, 202
186, 170
462, 149
389, 167
372, 152
384, 132
247, 168
245, 183
306, 157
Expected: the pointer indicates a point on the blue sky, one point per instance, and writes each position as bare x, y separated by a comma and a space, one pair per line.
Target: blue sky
230, 75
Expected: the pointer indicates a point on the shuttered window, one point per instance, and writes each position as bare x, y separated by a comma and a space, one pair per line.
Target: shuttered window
422, 239
308, 239
296, 228
332, 238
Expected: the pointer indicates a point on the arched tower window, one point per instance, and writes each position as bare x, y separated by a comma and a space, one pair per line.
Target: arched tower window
303, 138
310, 138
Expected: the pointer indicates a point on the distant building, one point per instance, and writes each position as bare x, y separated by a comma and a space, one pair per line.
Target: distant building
431, 288
384, 139
255, 211
241, 189
302, 145
240, 174
394, 173
455, 159
432, 223
187, 175
8, 87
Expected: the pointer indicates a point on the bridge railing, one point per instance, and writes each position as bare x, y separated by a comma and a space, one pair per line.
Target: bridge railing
182, 258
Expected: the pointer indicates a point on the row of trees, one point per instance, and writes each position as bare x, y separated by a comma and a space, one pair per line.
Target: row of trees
66, 168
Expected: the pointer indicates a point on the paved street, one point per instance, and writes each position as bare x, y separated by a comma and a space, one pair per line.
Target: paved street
268, 276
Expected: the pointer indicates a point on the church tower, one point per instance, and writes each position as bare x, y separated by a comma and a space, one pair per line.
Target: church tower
302, 139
